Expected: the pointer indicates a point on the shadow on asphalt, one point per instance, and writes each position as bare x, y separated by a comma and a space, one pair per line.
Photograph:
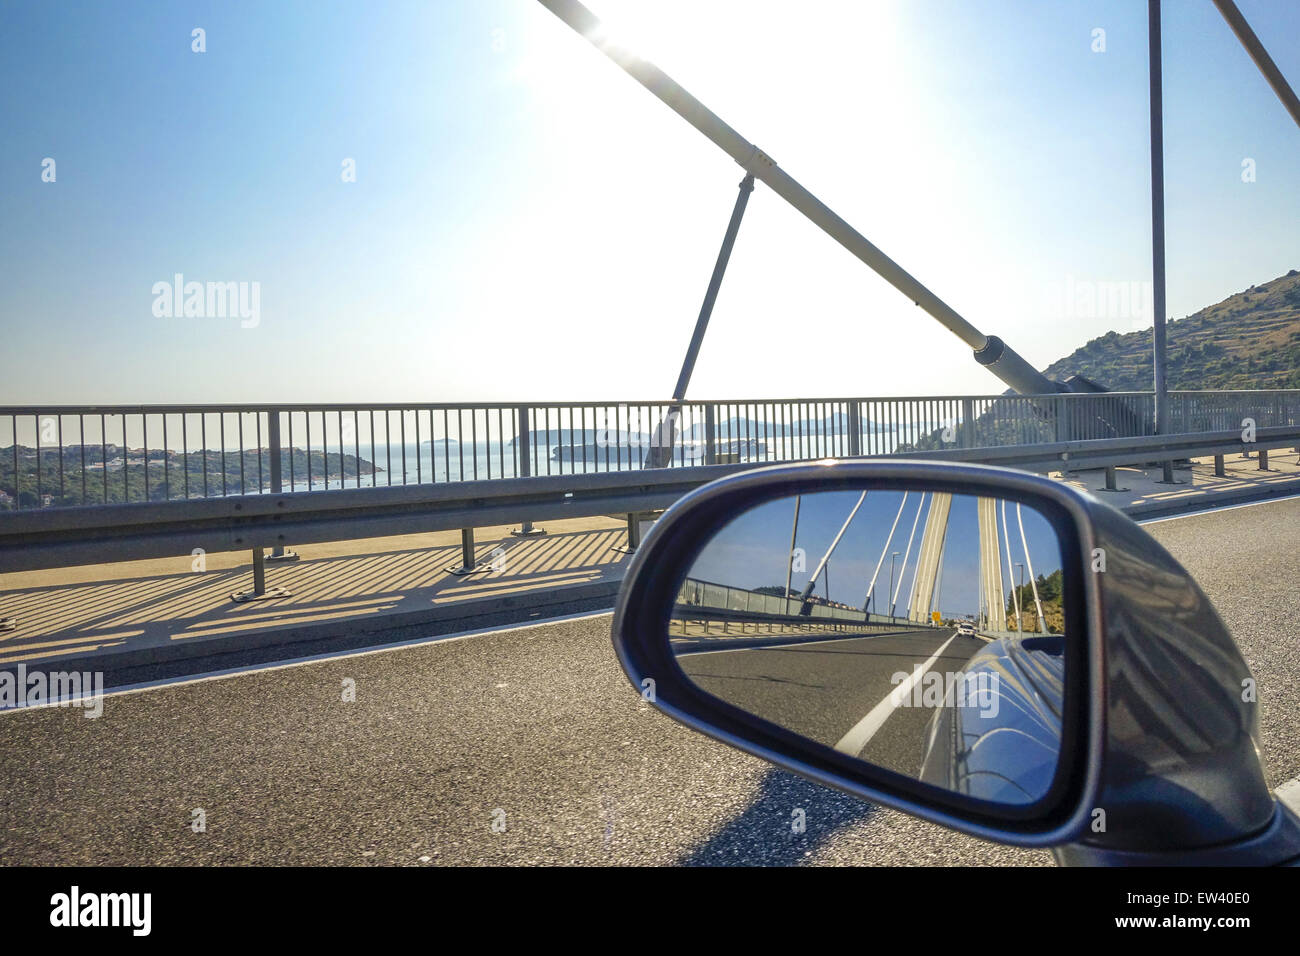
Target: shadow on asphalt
765, 833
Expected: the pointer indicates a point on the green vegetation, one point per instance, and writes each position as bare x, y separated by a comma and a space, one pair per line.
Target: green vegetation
103, 478
1250, 340
1049, 593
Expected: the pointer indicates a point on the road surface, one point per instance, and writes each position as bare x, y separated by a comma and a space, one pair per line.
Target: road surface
532, 729
829, 690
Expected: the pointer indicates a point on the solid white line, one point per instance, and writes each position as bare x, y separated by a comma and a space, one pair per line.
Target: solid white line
1210, 511
1289, 793
312, 659
862, 732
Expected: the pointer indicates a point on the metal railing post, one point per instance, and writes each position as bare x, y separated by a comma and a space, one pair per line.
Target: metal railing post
1061, 410
273, 440
467, 548
710, 435
259, 572
1062, 430
1112, 480
260, 591
633, 535
467, 562
855, 429
277, 477
1219, 471
524, 464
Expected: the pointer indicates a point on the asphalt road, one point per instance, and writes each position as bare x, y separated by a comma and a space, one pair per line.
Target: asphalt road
534, 729
824, 689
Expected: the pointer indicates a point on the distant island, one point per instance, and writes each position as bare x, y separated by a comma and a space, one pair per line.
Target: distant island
117, 475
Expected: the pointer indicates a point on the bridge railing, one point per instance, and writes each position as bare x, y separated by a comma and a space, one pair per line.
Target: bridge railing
57, 456
36, 538
707, 609
708, 596
1206, 411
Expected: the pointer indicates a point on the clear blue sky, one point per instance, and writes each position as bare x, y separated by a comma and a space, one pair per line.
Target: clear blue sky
528, 223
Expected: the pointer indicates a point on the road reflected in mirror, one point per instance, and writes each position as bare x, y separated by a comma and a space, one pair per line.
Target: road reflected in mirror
920, 631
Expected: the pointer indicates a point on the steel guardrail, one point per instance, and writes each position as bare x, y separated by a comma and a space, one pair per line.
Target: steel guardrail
71, 456
48, 538
694, 613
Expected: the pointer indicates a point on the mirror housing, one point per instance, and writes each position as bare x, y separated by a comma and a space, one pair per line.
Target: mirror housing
1158, 750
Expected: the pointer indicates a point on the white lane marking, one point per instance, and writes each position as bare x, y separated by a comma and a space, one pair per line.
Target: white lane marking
312, 659
862, 732
1210, 511
1289, 793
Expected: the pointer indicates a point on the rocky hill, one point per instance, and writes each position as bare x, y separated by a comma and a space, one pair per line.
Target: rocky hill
1249, 340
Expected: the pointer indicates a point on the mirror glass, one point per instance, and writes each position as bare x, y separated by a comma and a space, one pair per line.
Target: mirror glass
920, 631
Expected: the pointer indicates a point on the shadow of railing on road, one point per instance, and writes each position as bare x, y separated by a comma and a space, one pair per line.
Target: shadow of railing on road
84, 616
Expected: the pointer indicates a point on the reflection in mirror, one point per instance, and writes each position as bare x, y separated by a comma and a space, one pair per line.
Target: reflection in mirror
920, 631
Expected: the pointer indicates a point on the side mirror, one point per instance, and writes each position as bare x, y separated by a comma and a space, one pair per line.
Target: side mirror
984, 648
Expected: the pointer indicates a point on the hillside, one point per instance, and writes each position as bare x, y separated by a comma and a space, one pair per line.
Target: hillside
1249, 340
